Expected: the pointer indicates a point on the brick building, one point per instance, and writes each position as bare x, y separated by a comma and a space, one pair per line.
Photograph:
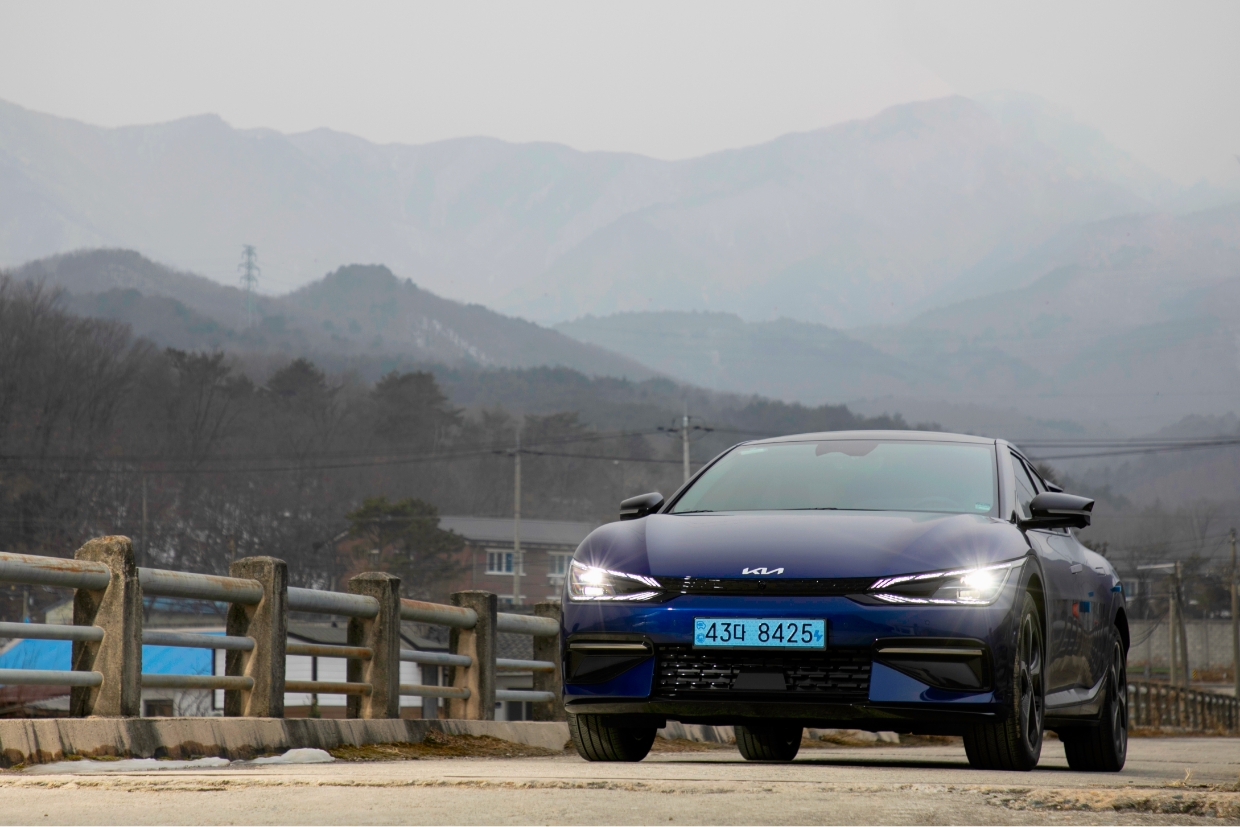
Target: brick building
546, 546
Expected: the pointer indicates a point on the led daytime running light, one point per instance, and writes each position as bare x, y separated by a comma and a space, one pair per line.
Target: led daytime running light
591, 583
972, 587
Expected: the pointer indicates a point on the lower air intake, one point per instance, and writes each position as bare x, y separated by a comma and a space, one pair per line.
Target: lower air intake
839, 674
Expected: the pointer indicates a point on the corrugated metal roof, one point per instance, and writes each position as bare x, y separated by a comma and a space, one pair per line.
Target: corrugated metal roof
535, 532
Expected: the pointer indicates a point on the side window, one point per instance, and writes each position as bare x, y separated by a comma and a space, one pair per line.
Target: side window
1025, 487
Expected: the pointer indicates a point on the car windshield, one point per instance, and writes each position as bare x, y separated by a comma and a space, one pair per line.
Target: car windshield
863, 475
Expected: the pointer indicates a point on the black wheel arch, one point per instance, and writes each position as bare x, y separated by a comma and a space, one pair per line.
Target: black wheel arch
1033, 585
1121, 626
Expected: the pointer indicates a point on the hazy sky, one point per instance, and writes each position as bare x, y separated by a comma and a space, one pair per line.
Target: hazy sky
668, 79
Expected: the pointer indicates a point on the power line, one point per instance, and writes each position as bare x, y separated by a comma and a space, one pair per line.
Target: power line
372, 462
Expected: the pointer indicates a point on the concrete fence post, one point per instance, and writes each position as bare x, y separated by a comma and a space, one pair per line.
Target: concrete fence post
117, 609
381, 634
548, 648
267, 624
479, 644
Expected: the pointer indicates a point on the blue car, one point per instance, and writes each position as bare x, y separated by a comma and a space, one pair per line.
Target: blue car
913, 582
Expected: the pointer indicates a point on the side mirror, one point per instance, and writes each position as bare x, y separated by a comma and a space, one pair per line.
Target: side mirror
643, 504
1055, 509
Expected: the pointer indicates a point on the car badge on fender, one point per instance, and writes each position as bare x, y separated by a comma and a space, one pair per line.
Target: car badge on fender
762, 570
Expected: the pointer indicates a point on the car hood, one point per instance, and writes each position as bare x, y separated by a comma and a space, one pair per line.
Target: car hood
803, 544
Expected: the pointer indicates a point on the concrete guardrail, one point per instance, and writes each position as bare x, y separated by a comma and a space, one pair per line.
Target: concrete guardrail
107, 678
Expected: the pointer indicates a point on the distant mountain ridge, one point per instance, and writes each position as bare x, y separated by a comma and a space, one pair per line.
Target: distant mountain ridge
861, 223
358, 310
1136, 311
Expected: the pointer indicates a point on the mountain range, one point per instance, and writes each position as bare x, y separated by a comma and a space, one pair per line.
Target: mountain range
1139, 311
987, 263
864, 223
355, 313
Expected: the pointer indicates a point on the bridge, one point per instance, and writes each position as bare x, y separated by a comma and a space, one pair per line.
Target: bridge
107, 678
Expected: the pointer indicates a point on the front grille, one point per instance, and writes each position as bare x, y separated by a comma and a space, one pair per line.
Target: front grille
767, 587
839, 674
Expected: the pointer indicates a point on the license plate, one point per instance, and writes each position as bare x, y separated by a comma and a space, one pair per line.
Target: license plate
759, 632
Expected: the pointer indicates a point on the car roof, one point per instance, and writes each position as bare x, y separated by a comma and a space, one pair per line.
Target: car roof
912, 436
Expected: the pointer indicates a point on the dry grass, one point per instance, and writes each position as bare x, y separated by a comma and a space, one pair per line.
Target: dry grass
441, 745
685, 745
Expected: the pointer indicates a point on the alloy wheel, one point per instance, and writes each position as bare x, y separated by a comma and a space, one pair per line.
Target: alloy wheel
1029, 682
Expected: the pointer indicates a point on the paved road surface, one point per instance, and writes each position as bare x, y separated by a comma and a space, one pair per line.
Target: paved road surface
890, 784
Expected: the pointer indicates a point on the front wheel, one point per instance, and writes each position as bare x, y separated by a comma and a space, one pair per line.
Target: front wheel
1016, 742
770, 742
1104, 748
599, 738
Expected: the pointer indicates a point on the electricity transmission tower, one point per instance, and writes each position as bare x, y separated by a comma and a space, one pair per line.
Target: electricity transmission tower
249, 280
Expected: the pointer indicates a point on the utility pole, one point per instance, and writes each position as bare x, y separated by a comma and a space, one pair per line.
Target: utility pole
684, 430
1173, 599
1235, 617
684, 441
516, 523
1179, 605
1172, 641
249, 280
144, 556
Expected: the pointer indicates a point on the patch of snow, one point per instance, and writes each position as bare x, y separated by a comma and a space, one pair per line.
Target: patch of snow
87, 766
297, 756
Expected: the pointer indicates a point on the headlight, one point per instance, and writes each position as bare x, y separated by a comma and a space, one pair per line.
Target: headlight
961, 587
591, 583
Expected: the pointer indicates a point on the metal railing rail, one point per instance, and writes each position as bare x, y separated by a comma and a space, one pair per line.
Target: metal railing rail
343, 604
526, 625
424, 691
329, 687
331, 603
50, 631
163, 583
259, 602
524, 695
435, 658
29, 570
326, 650
1159, 705
49, 677
437, 614
190, 640
515, 665
242, 683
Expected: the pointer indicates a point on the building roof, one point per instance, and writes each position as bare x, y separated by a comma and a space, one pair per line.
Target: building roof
535, 532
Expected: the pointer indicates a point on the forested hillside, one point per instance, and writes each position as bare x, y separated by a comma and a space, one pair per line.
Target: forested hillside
203, 457
354, 314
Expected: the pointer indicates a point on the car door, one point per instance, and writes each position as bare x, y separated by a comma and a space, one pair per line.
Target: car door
1064, 643
1086, 604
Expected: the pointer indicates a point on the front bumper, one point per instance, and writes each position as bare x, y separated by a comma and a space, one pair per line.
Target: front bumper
854, 684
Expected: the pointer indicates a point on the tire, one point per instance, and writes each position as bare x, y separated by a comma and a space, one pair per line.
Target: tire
598, 739
1104, 748
772, 742
1016, 742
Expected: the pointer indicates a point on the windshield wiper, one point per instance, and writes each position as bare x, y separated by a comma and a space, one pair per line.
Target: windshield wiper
817, 508
697, 511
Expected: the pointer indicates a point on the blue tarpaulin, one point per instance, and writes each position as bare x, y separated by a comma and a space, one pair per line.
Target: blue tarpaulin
156, 660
